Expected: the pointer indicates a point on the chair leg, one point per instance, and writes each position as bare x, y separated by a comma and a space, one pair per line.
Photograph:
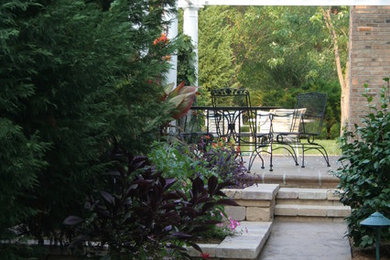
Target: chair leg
270, 160
324, 154
292, 152
254, 154
262, 160
251, 160
320, 148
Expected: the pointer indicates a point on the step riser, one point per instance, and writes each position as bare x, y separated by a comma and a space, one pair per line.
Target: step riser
312, 211
308, 219
307, 194
299, 183
309, 202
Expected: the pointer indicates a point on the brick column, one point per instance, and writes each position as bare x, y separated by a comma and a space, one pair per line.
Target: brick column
369, 55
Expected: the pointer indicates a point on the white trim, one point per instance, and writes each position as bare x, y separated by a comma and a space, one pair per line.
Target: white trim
201, 3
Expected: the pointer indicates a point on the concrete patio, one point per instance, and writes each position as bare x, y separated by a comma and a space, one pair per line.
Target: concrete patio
315, 174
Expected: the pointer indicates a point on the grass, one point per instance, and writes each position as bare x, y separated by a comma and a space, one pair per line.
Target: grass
331, 146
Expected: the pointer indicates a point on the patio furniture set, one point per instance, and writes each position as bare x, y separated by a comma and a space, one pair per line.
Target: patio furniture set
260, 130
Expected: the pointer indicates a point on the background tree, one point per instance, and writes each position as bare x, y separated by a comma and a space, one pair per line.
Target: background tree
216, 68
338, 30
276, 52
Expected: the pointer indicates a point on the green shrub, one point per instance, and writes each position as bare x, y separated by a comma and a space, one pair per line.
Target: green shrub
76, 77
21, 161
364, 171
205, 159
185, 61
177, 161
334, 131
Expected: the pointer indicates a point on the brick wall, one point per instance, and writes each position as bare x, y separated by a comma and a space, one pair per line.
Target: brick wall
369, 54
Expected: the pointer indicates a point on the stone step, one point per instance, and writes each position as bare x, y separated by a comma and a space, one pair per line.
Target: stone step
244, 245
305, 180
299, 196
309, 205
309, 202
297, 212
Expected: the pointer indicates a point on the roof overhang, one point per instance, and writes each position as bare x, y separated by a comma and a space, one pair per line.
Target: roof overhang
201, 3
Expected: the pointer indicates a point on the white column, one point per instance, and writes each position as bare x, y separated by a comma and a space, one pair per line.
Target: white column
190, 28
172, 31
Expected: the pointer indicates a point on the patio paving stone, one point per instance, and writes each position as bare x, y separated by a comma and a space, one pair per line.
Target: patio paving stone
307, 241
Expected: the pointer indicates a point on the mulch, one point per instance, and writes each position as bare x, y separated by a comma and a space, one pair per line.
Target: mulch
369, 253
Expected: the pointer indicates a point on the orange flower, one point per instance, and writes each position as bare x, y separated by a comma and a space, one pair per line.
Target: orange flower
238, 149
163, 38
207, 137
167, 58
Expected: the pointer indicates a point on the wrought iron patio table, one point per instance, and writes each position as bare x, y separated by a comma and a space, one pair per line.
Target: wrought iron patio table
232, 117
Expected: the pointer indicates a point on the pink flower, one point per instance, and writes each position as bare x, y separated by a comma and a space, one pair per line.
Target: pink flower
233, 223
205, 255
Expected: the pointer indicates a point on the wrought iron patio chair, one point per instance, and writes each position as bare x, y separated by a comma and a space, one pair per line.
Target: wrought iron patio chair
285, 129
263, 138
234, 113
308, 125
312, 121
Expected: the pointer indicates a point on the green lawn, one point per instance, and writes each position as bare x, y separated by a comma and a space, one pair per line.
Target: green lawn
331, 146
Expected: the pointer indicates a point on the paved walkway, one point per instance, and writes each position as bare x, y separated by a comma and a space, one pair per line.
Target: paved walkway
307, 241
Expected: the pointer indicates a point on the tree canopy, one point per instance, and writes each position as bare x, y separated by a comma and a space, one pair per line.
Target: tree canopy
275, 52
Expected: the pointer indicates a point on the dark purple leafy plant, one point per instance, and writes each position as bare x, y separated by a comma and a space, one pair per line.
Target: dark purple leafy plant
141, 215
225, 161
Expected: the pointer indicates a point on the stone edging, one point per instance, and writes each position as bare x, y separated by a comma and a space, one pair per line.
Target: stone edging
256, 203
242, 246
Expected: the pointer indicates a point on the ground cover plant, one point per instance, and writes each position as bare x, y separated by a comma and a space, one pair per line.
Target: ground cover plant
207, 158
364, 174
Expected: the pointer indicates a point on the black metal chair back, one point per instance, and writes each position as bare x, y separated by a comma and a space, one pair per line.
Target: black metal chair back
315, 105
229, 123
312, 121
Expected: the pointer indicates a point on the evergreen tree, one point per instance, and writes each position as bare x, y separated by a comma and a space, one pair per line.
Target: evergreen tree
216, 68
77, 76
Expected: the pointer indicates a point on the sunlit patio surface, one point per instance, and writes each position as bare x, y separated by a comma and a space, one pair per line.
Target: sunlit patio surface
315, 174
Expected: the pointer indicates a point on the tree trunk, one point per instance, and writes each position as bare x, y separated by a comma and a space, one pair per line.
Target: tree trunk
343, 79
344, 104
